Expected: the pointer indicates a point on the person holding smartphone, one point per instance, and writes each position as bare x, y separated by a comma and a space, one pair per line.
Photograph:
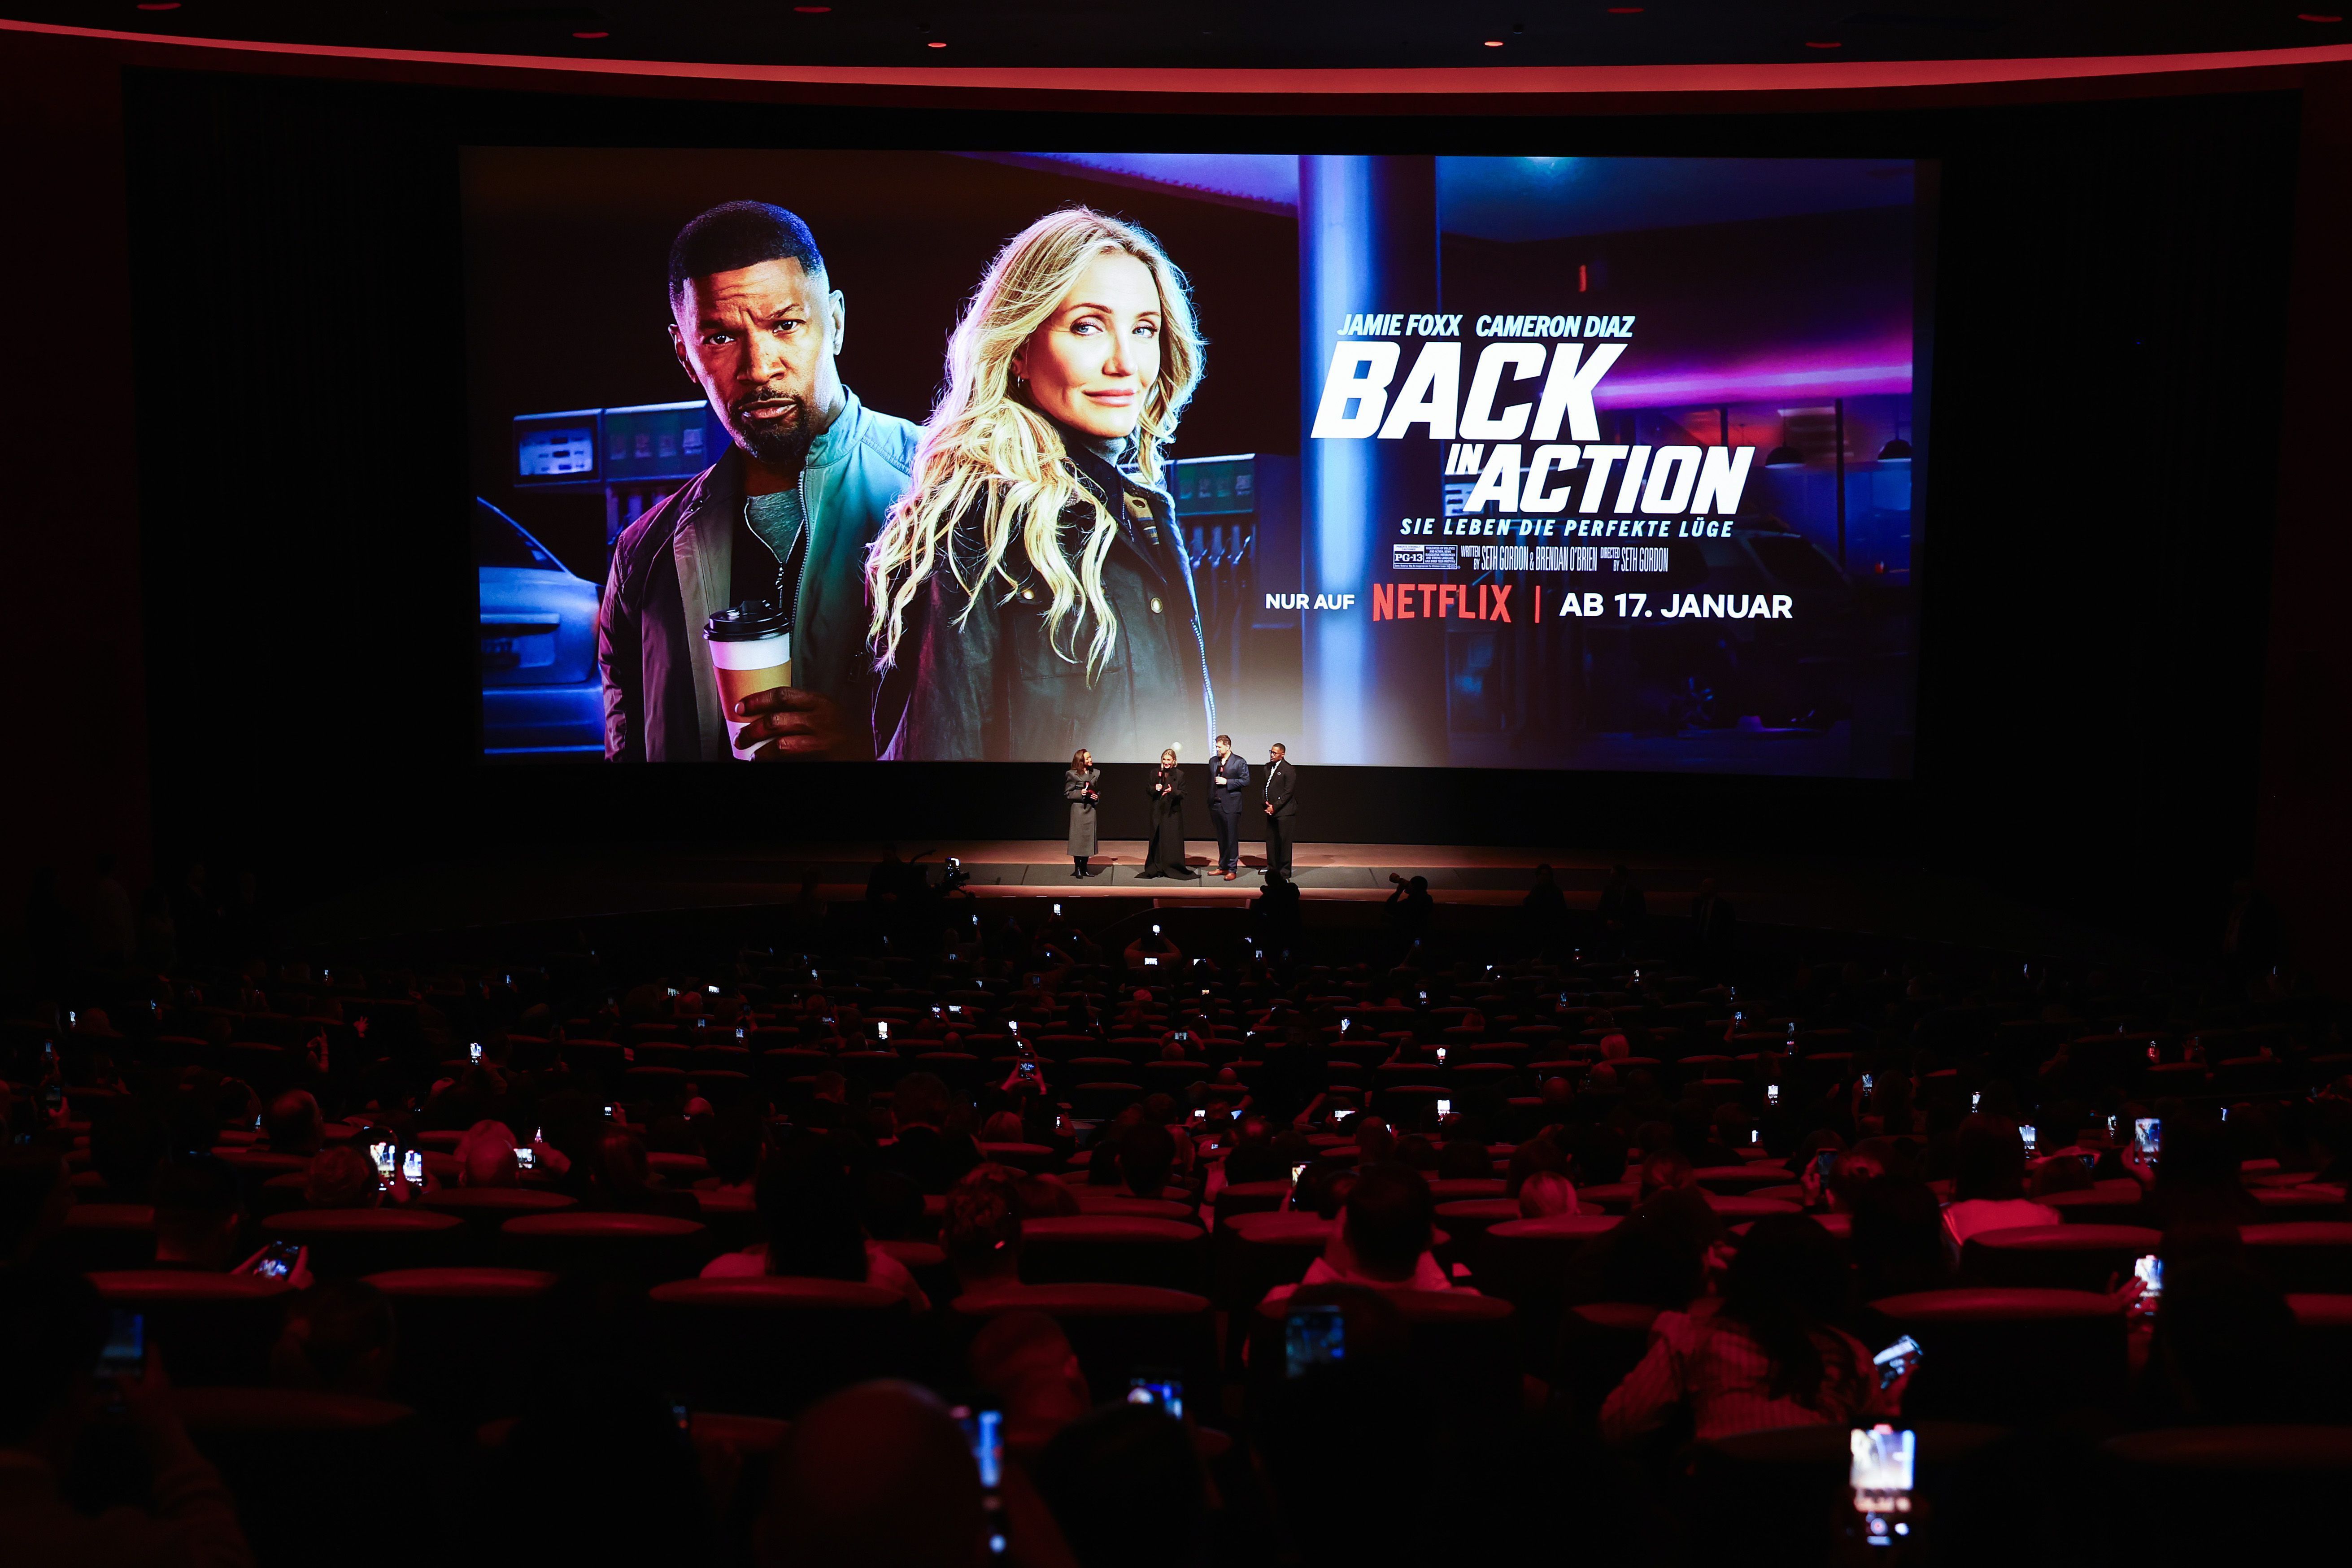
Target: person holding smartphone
1989, 1183
1770, 1356
56, 1328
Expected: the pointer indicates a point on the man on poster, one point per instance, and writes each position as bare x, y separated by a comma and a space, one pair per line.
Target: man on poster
784, 515
1281, 811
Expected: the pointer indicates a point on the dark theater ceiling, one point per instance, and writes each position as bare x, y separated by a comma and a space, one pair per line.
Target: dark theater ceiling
1119, 36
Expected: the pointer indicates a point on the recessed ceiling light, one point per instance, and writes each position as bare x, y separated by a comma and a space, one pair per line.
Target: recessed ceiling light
1824, 43
937, 45
159, 4
2316, 16
812, 10
592, 35
1494, 43
1624, 10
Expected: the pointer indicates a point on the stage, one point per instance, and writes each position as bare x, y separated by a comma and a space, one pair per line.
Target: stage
1457, 874
1336, 883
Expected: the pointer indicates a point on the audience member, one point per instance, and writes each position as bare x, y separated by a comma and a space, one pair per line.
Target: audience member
1771, 1356
1896, 1241
1544, 1194
342, 1177
198, 1212
34, 1199
1125, 1488
1665, 1169
878, 1476
1989, 1183
292, 1125
621, 1181
2224, 1348
921, 1149
1384, 1237
808, 1203
1146, 1152
53, 1326
980, 1231
338, 1337
1025, 1362
485, 1157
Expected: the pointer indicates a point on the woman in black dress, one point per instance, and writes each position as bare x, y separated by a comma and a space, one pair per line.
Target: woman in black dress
1080, 788
1166, 858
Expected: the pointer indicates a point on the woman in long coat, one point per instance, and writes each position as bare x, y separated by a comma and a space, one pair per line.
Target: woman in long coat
1079, 787
1166, 858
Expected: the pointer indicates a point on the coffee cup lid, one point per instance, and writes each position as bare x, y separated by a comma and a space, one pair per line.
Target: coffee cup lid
747, 622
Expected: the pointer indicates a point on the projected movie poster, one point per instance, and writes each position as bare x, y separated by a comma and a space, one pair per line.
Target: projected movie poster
1545, 462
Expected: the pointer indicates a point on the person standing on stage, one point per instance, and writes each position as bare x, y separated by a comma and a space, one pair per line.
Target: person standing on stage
1166, 858
1228, 776
1281, 810
1080, 788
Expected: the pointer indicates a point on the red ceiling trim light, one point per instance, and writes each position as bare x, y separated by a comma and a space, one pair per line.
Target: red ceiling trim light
1807, 76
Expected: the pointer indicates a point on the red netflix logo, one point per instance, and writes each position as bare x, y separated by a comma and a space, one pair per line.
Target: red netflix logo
1441, 601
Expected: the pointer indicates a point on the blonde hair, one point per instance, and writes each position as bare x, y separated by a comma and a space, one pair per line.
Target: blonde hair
985, 448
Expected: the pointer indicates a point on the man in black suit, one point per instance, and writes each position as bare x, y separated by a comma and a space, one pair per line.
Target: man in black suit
1281, 810
1228, 776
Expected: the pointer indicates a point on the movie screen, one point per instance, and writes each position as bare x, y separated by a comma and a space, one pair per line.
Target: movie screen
1534, 462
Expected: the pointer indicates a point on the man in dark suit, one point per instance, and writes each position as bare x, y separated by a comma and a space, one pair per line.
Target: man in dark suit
1228, 776
1281, 810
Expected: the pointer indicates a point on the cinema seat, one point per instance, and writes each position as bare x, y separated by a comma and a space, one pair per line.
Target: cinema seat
2312, 1202
483, 1210
1741, 1180
2112, 1202
1117, 1329
2011, 1355
2302, 1256
1526, 1262
304, 1466
109, 1235
2056, 1256
1458, 1189
768, 1346
621, 1253
208, 1327
1463, 1353
1611, 1197
1249, 1197
1029, 1158
1730, 1208
1267, 1250
2323, 1358
1788, 1485
1113, 1249
468, 1336
1110, 1201
1466, 1221
733, 1215
928, 1262
1104, 1099
2228, 1493
1595, 1346
1173, 1078
347, 1243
